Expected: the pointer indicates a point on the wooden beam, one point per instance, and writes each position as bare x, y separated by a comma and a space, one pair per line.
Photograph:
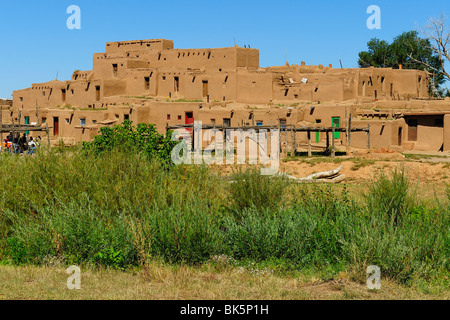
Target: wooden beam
309, 144
333, 150
327, 150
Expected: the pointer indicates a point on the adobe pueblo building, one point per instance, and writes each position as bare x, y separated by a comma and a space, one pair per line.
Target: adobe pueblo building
150, 81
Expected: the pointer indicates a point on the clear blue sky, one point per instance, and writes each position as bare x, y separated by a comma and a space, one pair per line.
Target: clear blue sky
36, 44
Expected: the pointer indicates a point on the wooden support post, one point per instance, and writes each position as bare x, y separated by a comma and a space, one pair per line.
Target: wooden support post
294, 134
37, 114
285, 140
349, 143
333, 150
48, 134
327, 150
309, 144
347, 149
368, 136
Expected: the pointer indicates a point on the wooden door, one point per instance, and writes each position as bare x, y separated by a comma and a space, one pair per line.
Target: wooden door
205, 88
55, 126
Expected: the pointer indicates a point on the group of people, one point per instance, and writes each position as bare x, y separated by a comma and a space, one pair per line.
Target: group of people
14, 143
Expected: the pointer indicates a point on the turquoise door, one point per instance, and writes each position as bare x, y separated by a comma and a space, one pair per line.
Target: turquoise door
27, 121
336, 122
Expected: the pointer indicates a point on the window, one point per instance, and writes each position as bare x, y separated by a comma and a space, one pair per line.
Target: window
21, 98
94, 121
168, 117
43, 93
82, 121
147, 83
115, 70
97, 93
226, 122
126, 117
67, 120
213, 122
259, 123
44, 120
179, 117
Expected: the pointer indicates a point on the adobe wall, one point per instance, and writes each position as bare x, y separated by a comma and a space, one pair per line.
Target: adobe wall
447, 132
151, 44
383, 134
430, 136
254, 87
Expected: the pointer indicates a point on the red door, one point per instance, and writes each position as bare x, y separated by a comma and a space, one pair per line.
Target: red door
189, 119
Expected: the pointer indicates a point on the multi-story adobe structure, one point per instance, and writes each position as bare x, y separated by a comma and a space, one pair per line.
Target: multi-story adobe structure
150, 81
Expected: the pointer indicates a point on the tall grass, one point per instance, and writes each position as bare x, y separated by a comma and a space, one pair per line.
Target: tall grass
120, 209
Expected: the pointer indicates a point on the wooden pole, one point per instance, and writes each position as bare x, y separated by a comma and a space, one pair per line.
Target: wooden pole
309, 144
333, 150
349, 133
347, 149
327, 150
48, 134
37, 113
294, 133
368, 136
285, 139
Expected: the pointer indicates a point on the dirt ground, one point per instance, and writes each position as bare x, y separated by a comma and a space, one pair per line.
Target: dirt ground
428, 171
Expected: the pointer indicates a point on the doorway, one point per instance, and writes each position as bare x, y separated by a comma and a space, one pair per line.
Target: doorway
27, 121
189, 119
318, 133
336, 122
55, 126
205, 88
176, 84
412, 129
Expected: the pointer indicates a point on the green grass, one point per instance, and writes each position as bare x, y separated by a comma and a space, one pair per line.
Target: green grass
140, 97
411, 156
184, 100
121, 210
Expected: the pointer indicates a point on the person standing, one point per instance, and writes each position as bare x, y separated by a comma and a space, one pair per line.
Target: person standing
31, 146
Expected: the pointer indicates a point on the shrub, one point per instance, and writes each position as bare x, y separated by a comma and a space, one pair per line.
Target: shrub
250, 189
142, 138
